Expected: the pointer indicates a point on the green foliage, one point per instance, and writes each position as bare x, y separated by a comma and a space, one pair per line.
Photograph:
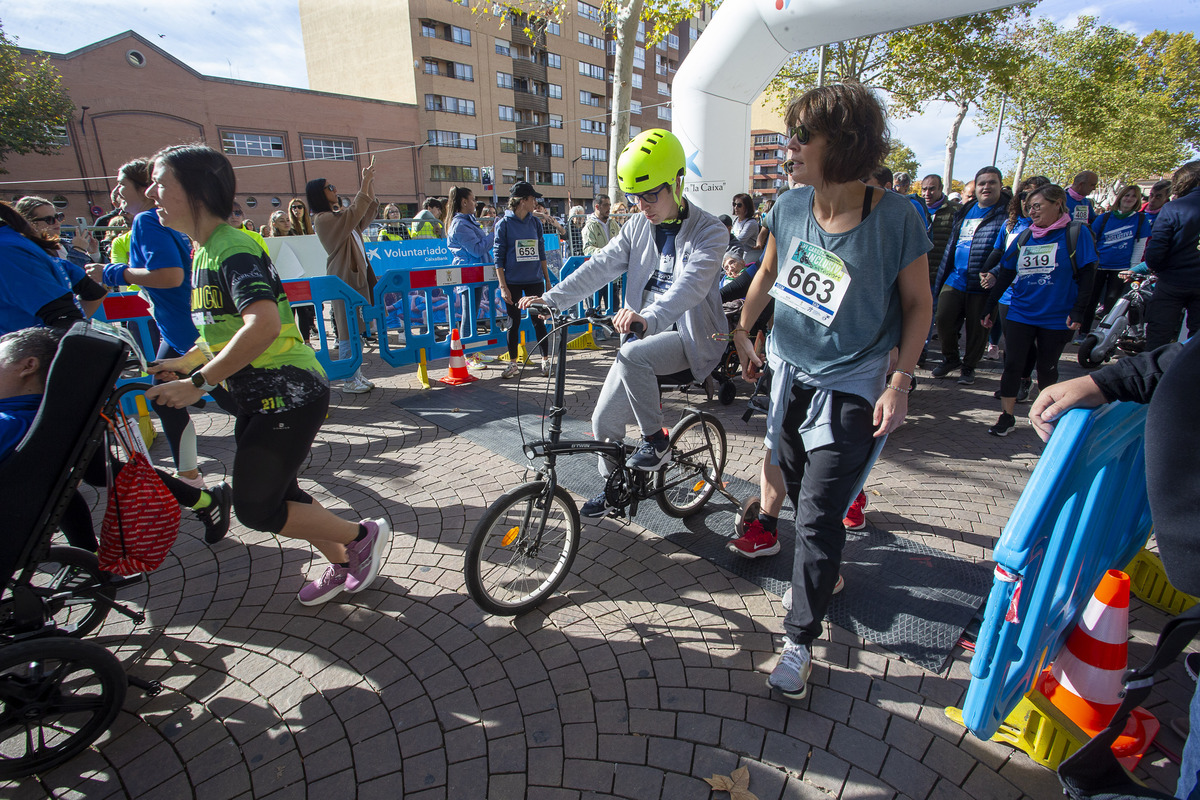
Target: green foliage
33, 103
903, 159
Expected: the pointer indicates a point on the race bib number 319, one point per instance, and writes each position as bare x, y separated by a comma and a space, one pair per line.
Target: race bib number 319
1037, 259
812, 281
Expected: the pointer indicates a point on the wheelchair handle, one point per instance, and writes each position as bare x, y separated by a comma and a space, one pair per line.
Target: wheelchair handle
125, 389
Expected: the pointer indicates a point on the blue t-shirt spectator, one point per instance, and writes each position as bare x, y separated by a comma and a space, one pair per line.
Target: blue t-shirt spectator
1046, 289
1003, 239
29, 280
519, 249
1117, 237
1081, 210
962, 251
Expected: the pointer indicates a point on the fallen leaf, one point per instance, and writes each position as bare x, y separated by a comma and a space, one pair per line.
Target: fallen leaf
720, 783
737, 784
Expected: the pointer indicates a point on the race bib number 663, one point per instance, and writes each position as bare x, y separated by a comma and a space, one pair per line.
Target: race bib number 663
811, 280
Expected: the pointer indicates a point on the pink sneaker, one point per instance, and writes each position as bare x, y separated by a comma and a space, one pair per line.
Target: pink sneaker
756, 542
328, 586
366, 557
856, 519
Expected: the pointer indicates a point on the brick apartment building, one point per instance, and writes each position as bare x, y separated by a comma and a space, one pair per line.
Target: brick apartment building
133, 98
531, 98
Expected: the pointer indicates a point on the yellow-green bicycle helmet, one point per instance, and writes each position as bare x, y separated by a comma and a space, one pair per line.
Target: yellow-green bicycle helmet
651, 158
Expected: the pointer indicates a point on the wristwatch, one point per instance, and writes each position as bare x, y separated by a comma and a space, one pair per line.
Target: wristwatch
201, 384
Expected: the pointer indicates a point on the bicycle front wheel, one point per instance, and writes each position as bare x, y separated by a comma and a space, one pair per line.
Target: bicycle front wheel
522, 549
697, 460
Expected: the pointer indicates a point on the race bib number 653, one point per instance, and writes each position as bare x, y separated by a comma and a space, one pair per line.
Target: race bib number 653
812, 281
527, 250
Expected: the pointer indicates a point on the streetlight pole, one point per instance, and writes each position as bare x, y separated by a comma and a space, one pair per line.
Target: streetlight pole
1000, 127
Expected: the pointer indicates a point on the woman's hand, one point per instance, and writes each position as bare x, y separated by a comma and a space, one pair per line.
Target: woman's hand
506, 294
176, 394
890, 410
1072, 324
85, 242
1054, 401
751, 363
987, 280
170, 368
624, 319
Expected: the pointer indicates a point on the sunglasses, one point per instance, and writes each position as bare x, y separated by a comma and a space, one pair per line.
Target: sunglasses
645, 197
800, 133
329, 187
51, 219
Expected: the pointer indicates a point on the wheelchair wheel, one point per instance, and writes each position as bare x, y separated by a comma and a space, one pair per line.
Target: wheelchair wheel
683, 485
57, 696
71, 585
522, 550
727, 392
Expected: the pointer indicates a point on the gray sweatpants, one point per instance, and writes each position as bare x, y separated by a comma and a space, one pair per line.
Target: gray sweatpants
630, 392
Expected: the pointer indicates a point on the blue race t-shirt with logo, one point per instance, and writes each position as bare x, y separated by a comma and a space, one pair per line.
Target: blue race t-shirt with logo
1117, 236
962, 251
1044, 291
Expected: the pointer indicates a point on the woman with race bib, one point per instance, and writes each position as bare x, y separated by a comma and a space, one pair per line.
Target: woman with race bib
1051, 287
847, 266
521, 269
1121, 236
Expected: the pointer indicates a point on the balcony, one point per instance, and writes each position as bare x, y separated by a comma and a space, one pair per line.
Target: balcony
532, 133
534, 163
530, 70
528, 101
519, 36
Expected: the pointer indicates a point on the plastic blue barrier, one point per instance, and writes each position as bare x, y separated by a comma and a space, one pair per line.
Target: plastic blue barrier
611, 296
1084, 511
326, 289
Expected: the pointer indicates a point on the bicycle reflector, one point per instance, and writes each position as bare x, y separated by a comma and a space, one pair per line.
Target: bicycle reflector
511, 536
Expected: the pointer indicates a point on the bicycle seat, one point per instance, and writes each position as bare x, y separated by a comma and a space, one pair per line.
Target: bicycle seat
680, 378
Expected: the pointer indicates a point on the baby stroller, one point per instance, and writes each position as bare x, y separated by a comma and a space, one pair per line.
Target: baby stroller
58, 693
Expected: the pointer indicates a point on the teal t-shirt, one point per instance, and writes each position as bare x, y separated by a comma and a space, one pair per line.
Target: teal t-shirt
848, 282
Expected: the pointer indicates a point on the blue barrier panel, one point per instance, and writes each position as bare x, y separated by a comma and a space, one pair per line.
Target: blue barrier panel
327, 289
610, 297
1084, 511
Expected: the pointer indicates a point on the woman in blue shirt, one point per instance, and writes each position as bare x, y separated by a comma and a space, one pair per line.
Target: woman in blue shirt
1050, 290
1121, 236
521, 269
464, 237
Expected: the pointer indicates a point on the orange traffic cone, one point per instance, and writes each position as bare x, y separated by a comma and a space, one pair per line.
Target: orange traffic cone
1085, 680
458, 363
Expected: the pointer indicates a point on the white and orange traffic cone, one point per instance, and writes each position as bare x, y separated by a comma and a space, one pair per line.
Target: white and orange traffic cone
1085, 680
459, 373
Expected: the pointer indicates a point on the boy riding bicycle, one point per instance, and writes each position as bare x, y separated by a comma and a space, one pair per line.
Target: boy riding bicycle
672, 252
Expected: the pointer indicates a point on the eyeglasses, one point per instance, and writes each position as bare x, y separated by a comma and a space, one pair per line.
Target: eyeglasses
329, 187
645, 197
51, 219
1035, 207
800, 133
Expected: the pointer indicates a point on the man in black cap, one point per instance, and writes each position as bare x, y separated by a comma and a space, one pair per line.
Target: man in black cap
520, 255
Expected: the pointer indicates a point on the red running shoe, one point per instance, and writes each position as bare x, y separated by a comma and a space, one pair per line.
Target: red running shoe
856, 519
756, 542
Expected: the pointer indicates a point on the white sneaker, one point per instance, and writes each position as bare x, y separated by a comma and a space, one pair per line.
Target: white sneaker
547, 371
357, 384
513, 370
790, 676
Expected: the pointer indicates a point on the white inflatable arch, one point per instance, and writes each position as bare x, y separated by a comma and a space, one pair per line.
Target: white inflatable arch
739, 53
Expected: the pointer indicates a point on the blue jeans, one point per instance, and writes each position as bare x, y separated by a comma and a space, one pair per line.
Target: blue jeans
1189, 770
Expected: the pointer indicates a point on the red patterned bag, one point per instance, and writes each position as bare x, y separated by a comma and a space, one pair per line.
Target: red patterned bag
141, 520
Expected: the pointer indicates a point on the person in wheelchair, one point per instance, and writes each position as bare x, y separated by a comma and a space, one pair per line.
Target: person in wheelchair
672, 253
25, 358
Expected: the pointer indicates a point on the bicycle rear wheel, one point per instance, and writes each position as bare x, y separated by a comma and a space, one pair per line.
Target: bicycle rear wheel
522, 549
697, 458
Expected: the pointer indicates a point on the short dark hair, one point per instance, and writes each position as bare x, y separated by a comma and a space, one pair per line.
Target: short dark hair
936, 177
137, 172
39, 343
204, 174
882, 175
433, 202
853, 120
990, 171
1185, 178
314, 192
747, 203
1158, 186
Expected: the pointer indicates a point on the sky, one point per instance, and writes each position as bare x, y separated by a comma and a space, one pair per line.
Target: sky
262, 42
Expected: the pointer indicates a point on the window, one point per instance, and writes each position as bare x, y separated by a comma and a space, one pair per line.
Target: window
672, 41
664, 89
589, 99
641, 34
639, 58
428, 30
508, 145
591, 70
553, 28
769, 139
591, 41
251, 144
506, 113
555, 120
554, 60
556, 151
635, 106
465, 141
634, 130
554, 90
612, 47
510, 176
503, 48
693, 32
593, 154
433, 67
664, 112
599, 181
662, 45
451, 105
637, 80
59, 136
328, 149
589, 11
460, 35
448, 174
592, 126
504, 80
464, 72
660, 65
549, 178
558, 179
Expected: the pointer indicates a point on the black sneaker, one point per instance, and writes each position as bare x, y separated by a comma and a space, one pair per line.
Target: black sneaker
1003, 425
944, 369
598, 506
1024, 390
967, 378
215, 515
652, 453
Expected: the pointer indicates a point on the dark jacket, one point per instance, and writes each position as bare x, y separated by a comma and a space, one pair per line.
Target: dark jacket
1167, 379
981, 244
941, 225
1171, 253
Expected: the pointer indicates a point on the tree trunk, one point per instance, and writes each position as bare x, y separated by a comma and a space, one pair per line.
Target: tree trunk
1026, 143
628, 13
952, 140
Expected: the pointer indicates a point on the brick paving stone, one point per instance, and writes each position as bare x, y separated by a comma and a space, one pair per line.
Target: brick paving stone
588, 775
623, 749
638, 783
906, 774
858, 748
